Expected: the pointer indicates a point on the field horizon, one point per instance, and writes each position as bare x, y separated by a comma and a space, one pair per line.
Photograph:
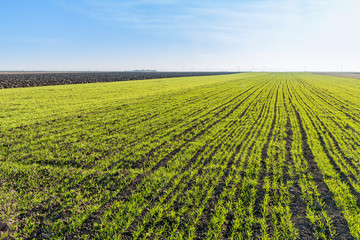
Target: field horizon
247, 155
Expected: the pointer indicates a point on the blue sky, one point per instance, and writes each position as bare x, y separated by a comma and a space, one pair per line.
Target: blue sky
242, 35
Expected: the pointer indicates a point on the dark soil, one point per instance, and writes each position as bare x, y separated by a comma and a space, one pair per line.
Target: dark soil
342, 74
28, 79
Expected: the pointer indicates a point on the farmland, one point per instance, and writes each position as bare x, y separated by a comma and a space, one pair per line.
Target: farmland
36, 79
238, 156
355, 75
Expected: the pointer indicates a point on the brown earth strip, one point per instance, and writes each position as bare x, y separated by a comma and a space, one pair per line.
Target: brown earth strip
340, 74
34, 79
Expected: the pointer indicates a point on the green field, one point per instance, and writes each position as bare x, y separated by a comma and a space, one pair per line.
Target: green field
242, 156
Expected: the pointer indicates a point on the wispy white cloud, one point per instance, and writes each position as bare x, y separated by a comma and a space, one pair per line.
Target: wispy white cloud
188, 17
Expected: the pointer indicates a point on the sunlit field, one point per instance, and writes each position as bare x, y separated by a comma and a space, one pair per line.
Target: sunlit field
238, 156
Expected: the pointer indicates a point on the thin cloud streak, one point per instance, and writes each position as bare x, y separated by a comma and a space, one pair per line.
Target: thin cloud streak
234, 19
